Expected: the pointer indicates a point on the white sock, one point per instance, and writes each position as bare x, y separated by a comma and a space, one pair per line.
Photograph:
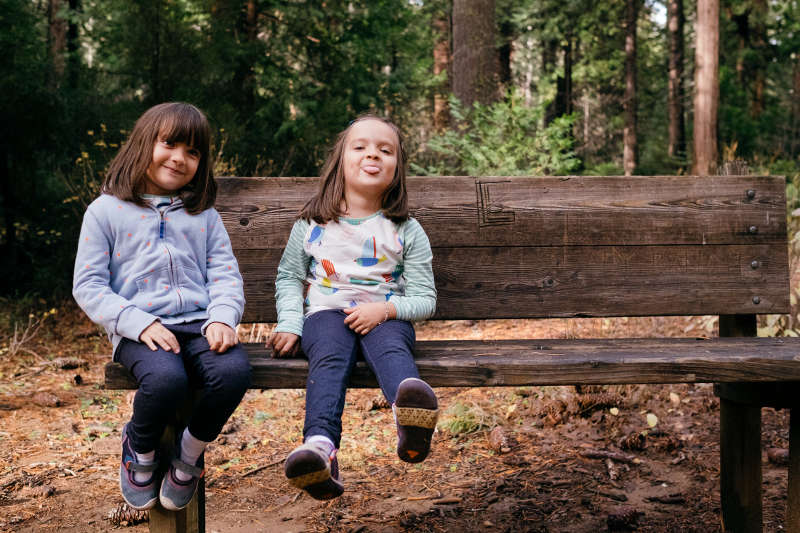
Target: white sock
191, 449
321, 441
144, 459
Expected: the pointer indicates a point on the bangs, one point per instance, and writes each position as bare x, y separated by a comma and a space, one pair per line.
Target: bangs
185, 124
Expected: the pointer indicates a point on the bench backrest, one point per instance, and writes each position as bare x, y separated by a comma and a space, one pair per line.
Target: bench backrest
535, 247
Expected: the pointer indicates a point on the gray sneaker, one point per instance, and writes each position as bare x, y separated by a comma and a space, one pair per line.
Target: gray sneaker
176, 494
139, 496
308, 467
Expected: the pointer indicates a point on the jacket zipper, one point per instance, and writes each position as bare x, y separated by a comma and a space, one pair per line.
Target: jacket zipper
172, 274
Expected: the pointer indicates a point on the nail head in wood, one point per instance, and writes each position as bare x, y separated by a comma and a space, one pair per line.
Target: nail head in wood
752, 230
756, 300
751, 193
754, 264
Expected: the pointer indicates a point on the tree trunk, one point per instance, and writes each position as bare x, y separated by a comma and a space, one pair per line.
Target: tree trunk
504, 53
706, 95
73, 45
759, 45
441, 62
568, 76
475, 60
677, 127
57, 38
630, 154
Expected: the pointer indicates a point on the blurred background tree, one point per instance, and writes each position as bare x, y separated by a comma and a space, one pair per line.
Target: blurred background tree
542, 87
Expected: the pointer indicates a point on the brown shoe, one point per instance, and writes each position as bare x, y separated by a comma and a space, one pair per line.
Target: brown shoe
415, 411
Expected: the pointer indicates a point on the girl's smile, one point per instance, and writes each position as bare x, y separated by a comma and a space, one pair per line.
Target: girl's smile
173, 166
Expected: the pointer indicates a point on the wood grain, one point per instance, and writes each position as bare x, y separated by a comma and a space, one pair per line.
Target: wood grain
557, 362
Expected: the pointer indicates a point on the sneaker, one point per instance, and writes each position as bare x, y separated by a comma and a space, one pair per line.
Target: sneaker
176, 494
415, 412
308, 467
139, 496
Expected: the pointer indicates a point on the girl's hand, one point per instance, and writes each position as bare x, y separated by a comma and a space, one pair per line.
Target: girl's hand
156, 335
283, 344
220, 337
363, 318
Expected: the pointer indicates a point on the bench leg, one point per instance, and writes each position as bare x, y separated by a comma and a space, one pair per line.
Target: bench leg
793, 503
191, 519
740, 467
188, 520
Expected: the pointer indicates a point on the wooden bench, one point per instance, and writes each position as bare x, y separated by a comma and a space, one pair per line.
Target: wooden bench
535, 247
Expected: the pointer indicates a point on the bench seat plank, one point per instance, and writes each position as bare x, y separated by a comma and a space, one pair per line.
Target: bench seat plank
557, 362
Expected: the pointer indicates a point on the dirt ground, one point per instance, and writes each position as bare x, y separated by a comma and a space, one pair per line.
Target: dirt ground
542, 459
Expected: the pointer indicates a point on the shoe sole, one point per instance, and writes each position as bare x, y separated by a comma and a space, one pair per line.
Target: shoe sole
416, 411
307, 470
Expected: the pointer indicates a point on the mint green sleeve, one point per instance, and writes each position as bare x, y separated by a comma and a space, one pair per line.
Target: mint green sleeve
289, 284
419, 300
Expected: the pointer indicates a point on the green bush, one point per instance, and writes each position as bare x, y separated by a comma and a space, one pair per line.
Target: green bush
502, 139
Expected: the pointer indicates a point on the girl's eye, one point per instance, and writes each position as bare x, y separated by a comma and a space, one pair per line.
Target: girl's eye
194, 153
165, 142
386, 151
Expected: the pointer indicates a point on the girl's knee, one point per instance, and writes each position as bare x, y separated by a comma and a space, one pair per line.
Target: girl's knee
165, 385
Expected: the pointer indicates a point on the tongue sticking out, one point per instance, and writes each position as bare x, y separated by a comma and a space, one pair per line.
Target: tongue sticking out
371, 169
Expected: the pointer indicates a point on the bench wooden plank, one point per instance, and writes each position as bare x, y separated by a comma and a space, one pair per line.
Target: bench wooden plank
539, 211
538, 282
557, 362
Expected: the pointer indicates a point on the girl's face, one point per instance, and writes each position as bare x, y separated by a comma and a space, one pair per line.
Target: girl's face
369, 158
173, 166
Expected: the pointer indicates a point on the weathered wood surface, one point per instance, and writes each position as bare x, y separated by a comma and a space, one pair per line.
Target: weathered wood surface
533, 282
557, 362
558, 247
539, 211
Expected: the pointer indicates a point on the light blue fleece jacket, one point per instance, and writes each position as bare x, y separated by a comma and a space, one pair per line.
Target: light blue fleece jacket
137, 264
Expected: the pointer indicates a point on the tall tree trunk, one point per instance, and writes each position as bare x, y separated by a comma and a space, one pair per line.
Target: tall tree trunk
677, 127
73, 45
475, 61
794, 141
630, 154
441, 62
759, 44
706, 95
57, 38
568, 76
155, 58
504, 53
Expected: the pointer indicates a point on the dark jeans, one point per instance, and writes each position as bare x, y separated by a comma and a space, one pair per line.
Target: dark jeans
332, 349
165, 378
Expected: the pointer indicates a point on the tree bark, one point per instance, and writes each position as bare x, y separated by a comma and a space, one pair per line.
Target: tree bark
706, 95
677, 126
475, 58
630, 156
759, 44
441, 62
73, 45
57, 38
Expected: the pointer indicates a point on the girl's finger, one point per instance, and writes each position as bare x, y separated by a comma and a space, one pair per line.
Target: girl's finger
149, 342
348, 310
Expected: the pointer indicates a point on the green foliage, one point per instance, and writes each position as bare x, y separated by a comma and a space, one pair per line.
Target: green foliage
460, 419
502, 139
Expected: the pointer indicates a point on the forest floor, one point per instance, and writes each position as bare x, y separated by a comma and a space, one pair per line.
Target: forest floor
543, 459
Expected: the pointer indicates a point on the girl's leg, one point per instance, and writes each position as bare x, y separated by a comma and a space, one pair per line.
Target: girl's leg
331, 349
163, 385
223, 377
389, 352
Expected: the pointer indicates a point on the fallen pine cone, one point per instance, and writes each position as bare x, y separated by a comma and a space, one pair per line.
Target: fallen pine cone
125, 516
379, 402
498, 440
46, 399
634, 441
778, 456
624, 518
588, 403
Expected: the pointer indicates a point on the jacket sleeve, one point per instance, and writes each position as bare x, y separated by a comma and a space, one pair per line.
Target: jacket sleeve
91, 283
290, 282
418, 301
223, 280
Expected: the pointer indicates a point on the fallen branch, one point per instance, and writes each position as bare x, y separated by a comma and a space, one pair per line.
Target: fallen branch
614, 456
260, 468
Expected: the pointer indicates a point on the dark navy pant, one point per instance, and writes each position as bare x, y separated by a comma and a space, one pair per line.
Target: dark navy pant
165, 378
332, 349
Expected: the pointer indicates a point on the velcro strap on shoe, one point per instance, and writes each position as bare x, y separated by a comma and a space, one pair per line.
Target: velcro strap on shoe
138, 467
311, 478
416, 416
192, 470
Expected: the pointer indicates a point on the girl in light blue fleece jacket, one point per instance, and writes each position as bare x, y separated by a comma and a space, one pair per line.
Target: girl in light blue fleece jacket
155, 268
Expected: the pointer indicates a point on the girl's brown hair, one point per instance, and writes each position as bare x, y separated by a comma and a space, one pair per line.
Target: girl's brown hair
172, 122
326, 204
